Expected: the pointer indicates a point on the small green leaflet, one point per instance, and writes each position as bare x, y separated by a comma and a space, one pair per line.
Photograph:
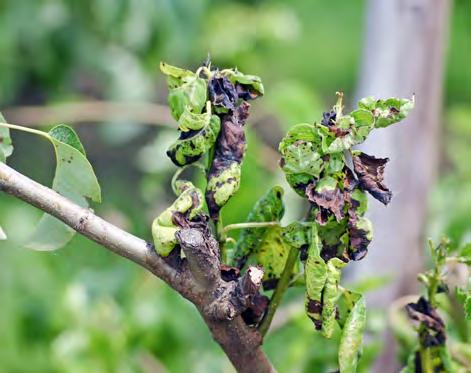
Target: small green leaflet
6, 148
74, 179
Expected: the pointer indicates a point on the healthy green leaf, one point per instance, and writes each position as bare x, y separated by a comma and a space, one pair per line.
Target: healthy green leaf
74, 179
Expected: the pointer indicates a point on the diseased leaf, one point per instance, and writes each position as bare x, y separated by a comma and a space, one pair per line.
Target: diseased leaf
224, 174
326, 196
190, 121
330, 295
74, 179
388, 111
188, 204
248, 87
271, 255
193, 144
268, 208
6, 147
175, 72
222, 93
370, 172
360, 230
352, 335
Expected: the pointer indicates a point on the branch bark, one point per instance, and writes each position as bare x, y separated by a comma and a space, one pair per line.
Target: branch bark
240, 342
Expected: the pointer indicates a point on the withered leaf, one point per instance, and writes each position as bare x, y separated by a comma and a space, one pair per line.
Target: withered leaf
222, 92
330, 200
434, 332
370, 172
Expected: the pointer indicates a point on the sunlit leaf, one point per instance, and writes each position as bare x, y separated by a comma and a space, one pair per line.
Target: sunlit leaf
74, 179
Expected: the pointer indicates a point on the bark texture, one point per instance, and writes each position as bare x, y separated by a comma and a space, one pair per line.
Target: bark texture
197, 278
404, 55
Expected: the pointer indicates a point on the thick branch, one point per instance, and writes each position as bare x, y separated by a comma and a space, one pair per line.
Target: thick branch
240, 343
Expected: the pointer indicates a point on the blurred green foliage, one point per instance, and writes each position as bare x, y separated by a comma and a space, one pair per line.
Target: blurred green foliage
83, 309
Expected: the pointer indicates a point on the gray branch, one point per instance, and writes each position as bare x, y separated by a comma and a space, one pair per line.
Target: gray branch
240, 342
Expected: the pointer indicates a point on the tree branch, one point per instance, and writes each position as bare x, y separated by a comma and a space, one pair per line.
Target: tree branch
240, 342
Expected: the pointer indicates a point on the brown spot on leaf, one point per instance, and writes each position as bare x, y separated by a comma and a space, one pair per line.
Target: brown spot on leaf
370, 172
330, 200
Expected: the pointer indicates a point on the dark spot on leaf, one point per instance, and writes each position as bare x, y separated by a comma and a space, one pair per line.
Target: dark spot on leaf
331, 200
370, 172
222, 92
270, 284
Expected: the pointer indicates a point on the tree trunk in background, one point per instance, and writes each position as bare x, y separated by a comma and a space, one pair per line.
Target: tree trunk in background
403, 55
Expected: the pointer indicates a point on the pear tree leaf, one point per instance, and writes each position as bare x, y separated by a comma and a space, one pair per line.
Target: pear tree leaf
193, 144
248, 86
387, 111
352, 334
330, 295
6, 147
74, 179
189, 202
268, 208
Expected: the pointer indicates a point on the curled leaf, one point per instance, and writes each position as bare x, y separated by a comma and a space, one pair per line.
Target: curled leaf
186, 207
248, 87
222, 92
326, 195
224, 175
193, 144
360, 231
330, 295
370, 172
352, 334
433, 331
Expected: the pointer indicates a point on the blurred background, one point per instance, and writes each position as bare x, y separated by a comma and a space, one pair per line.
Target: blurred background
94, 65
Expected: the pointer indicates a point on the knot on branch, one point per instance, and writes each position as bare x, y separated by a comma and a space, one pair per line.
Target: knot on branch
232, 298
202, 253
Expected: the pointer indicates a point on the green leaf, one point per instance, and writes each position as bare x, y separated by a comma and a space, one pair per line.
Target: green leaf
190, 95
189, 201
175, 72
187, 150
253, 81
387, 111
74, 179
193, 121
268, 208
6, 147
272, 253
330, 295
352, 335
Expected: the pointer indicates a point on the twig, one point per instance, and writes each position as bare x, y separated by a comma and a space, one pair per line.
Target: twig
240, 343
279, 291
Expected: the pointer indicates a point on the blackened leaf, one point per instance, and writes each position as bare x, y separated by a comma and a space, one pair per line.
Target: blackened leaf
433, 333
360, 231
190, 203
191, 146
224, 175
222, 92
268, 208
327, 195
370, 172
